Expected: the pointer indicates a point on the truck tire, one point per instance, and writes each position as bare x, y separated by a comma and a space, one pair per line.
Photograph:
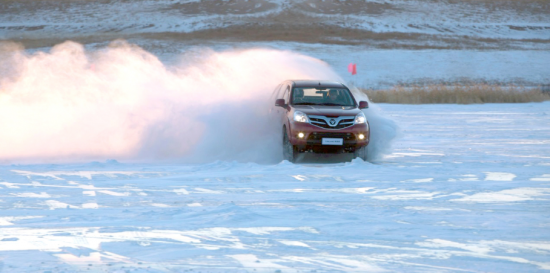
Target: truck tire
361, 153
289, 151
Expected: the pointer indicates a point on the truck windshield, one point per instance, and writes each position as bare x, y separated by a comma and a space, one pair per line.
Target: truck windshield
328, 97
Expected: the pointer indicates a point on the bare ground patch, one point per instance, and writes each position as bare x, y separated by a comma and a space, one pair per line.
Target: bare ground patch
304, 33
356, 7
329, 34
222, 7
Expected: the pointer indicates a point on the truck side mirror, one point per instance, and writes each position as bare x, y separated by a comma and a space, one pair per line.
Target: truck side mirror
280, 103
363, 105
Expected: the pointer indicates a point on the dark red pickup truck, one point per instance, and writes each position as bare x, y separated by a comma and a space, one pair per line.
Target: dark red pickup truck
320, 117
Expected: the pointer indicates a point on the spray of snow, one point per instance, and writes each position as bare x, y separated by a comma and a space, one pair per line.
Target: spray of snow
122, 103
382, 129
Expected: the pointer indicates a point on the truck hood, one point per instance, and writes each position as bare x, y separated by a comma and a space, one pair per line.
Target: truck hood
328, 110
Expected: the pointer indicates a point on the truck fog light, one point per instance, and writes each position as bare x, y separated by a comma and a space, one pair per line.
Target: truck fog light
361, 136
301, 135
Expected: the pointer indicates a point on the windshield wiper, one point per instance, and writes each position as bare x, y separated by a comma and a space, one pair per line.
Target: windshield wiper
332, 104
306, 103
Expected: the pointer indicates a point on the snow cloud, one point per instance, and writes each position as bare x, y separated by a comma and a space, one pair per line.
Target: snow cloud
121, 102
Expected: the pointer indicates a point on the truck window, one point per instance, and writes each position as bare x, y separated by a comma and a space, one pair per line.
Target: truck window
285, 95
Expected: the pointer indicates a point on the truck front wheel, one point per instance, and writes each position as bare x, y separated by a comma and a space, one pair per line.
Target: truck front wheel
289, 151
361, 153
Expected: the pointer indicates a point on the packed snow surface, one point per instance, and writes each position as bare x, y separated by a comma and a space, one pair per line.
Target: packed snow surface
464, 189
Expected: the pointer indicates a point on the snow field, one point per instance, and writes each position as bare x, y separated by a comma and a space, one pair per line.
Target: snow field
465, 188
462, 189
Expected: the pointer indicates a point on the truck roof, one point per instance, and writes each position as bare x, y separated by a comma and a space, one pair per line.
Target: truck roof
311, 83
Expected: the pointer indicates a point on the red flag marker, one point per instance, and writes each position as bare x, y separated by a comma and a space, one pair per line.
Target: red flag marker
352, 68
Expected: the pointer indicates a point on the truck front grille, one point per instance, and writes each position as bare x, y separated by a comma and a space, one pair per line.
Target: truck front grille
325, 122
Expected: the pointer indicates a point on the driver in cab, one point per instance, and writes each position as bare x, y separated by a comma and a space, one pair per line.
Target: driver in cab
333, 97
298, 96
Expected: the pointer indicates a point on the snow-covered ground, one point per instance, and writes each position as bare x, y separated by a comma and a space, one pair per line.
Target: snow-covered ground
383, 68
392, 42
465, 189
482, 19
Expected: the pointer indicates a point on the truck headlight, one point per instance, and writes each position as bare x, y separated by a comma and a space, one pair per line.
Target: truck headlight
300, 117
360, 118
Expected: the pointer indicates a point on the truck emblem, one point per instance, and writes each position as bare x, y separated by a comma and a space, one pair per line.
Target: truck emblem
332, 121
